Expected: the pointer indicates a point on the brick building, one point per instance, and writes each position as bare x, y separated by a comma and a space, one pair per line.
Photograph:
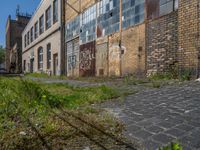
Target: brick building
42, 39
152, 36
14, 30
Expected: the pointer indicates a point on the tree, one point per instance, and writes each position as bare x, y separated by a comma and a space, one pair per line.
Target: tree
2, 54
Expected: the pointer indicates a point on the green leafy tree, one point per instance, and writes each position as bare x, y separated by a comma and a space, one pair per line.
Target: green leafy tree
2, 54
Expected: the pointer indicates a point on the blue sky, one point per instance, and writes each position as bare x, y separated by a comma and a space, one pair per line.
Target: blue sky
8, 7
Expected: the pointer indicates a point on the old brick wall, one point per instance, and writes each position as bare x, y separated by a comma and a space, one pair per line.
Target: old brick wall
162, 43
188, 30
133, 52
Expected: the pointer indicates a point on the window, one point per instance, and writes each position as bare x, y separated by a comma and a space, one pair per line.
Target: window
40, 58
36, 30
25, 40
88, 29
32, 34
73, 28
41, 22
55, 11
28, 38
49, 56
167, 6
48, 18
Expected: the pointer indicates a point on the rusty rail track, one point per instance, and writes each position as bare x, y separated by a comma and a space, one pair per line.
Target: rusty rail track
129, 146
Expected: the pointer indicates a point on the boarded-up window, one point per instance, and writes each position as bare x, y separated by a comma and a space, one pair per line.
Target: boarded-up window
152, 9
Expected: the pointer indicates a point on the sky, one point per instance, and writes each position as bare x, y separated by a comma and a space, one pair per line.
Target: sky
8, 7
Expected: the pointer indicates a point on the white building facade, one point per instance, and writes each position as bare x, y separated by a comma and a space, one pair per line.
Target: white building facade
41, 39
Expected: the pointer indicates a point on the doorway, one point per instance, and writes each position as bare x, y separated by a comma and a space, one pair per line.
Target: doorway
55, 64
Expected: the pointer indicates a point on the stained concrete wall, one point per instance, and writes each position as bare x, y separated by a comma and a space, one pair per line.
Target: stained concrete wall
102, 57
133, 52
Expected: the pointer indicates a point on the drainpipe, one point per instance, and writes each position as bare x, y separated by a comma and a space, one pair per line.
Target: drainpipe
62, 37
120, 39
197, 41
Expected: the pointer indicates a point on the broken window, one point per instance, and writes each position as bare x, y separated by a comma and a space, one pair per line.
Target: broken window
73, 28
133, 12
152, 9
108, 17
88, 25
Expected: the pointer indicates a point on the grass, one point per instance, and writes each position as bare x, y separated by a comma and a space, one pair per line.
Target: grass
23, 100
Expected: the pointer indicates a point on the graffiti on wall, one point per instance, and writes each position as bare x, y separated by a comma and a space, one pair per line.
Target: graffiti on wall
87, 59
71, 62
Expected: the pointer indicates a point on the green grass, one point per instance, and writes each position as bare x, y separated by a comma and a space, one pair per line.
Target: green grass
25, 99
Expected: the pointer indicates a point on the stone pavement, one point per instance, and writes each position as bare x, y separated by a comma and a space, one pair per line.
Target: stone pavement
156, 117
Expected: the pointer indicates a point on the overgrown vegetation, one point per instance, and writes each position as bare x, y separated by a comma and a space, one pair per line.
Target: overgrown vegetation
173, 146
24, 102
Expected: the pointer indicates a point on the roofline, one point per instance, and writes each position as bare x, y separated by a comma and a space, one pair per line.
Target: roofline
33, 14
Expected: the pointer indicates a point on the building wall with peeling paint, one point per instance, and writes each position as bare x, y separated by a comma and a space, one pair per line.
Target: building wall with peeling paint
133, 52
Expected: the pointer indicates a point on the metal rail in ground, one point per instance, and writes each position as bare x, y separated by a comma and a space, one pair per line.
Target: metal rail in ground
129, 146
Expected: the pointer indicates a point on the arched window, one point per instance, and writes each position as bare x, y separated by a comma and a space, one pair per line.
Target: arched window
49, 56
40, 58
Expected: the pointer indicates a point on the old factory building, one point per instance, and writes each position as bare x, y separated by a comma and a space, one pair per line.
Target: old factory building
113, 37
14, 29
42, 39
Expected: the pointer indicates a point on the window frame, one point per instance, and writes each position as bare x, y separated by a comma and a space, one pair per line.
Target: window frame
55, 11
40, 58
48, 18
41, 24
36, 32
31, 37
25, 36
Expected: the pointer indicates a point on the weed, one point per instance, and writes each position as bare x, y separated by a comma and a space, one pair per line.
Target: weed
173, 146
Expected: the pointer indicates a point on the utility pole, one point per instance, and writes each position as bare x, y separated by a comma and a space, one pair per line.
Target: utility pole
120, 40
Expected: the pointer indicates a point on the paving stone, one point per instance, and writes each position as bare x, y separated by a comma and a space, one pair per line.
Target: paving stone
169, 113
191, 141
166, 124
175, 132
142, 134
163, 138
185, 127
154, 129
151, 145
133, 128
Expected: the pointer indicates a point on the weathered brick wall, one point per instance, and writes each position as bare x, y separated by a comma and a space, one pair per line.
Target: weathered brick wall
162, 43
188, 32
133, 55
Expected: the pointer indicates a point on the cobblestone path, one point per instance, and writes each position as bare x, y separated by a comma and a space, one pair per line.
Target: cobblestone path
155, 117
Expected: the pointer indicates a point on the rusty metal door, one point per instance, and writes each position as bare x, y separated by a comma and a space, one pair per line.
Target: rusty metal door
87, 59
